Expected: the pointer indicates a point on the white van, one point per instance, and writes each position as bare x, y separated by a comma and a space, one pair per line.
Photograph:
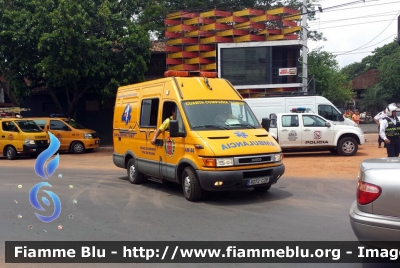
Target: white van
264, 106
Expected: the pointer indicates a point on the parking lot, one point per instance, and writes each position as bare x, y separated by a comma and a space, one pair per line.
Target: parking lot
309, 203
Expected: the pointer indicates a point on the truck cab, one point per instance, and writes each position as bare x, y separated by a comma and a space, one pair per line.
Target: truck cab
300, 130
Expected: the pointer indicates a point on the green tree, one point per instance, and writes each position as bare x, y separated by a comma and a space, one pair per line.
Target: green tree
373, 99
371, 62
389, 78
329, 81
71, 47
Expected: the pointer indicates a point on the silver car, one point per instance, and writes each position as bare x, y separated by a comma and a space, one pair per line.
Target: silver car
375, 215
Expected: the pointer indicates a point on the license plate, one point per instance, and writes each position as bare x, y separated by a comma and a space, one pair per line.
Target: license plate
97, 142
257, 181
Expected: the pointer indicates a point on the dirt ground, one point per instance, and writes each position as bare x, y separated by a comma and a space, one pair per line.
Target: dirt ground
327, 165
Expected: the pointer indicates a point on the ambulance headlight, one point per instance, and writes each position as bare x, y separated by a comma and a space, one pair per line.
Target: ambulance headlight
88, 136
277, 157
28, 141
224, 162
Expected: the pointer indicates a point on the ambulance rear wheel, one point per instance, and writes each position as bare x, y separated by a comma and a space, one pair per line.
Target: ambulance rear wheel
134, 176
191, 185
11, 153
347, 146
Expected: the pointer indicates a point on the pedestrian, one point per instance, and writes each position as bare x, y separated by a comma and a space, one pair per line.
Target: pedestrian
164, 126
390, 131
377, 120
356, 117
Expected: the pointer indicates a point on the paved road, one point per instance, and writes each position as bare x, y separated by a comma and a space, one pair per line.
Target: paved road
110, 208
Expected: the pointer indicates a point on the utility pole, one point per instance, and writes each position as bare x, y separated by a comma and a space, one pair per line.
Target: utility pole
305, 48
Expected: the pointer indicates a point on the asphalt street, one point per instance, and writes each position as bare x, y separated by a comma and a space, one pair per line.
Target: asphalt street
102, 205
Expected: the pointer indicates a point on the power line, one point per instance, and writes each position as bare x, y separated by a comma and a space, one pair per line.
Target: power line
354, 53
353, 18
370, 45
395, 2
375, 36
349, 25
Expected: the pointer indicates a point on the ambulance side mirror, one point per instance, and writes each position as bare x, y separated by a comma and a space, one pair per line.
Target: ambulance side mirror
174, 129
265, 123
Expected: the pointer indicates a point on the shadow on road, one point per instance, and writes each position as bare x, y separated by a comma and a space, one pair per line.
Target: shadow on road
226, 198
294, 154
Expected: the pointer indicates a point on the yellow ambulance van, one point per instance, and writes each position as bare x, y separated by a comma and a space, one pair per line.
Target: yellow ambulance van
73, 137
210, 141
19, 136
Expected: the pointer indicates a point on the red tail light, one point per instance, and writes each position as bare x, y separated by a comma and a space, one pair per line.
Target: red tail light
367, 193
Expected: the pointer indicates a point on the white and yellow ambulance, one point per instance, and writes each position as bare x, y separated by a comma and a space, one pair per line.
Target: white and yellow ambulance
213, 143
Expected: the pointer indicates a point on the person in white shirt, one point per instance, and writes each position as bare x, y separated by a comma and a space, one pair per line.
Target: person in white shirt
390, 131
377, 120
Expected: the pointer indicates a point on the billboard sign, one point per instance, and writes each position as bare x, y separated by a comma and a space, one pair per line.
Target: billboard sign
287, 71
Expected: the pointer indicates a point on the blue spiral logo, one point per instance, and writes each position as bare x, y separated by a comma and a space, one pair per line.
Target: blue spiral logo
45, 155
35, 203
40, 171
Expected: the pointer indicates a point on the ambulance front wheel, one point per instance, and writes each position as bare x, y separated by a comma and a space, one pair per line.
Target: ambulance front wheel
134, 176
191, 184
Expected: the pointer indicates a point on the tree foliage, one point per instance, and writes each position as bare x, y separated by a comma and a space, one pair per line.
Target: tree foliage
329, 81
374, 99
153, 12
70, 47
370, 62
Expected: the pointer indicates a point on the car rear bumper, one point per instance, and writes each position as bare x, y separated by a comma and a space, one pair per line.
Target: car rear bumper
373, 227
237, 179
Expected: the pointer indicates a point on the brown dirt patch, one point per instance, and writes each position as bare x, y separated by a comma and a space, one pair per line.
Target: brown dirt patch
327, 165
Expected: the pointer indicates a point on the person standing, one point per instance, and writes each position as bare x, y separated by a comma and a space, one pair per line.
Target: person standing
356, 117
390, 131
377, 120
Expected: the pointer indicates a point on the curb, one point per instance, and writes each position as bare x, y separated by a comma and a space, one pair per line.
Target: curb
104, 148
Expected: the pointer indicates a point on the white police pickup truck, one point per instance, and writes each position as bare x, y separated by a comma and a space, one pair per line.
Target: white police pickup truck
309, 131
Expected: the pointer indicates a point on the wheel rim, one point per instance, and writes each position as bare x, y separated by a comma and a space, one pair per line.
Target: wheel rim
78, 147
9, 153
348, 147
132, 173
187, 185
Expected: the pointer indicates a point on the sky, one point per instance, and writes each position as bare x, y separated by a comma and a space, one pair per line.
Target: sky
355, 30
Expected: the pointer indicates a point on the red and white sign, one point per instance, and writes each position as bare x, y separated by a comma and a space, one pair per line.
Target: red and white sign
287, 71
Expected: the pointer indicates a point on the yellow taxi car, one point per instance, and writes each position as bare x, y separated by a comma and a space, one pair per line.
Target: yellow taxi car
20, 137
73, 137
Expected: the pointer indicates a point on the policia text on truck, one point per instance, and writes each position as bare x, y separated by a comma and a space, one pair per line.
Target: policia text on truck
197, 150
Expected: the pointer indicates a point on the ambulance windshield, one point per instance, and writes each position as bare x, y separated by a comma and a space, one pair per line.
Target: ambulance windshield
219, 114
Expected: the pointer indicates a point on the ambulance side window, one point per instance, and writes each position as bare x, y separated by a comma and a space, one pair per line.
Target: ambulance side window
149, 113
168, 107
